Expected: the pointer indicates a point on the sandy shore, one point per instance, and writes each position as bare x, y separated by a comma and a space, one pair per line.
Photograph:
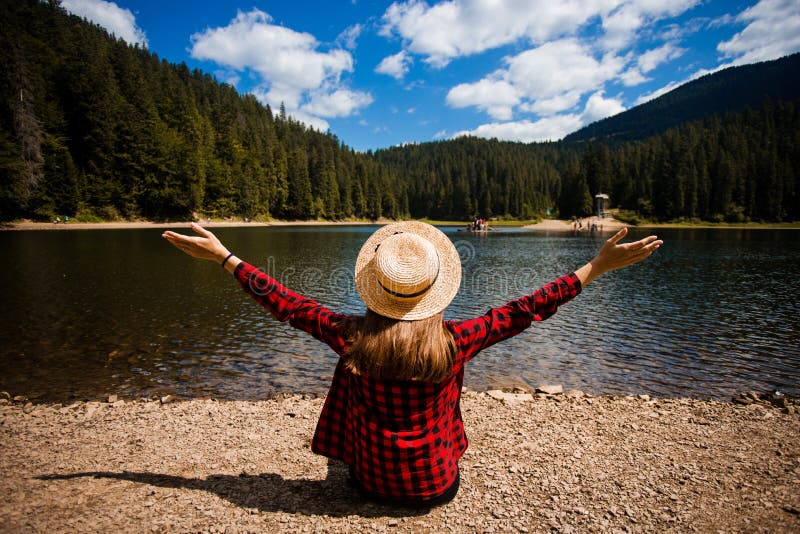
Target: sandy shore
554, 463
122, 225
558, 225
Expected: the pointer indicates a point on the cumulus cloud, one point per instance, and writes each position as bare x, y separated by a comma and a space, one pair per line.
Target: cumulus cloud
339, 103
495, 96
622, 24
457, 28
396, 65
121, 22
549, 128
648, 61
293, 69
528, 80
772, 31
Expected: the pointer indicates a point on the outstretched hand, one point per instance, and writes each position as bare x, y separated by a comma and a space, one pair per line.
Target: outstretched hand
616, 256
205, 247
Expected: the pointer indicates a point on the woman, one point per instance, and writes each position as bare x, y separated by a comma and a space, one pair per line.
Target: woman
392, 412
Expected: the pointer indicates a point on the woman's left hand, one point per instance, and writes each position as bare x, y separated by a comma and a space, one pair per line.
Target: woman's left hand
205, 247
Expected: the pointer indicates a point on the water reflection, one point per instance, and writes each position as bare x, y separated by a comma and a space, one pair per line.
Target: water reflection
88, 313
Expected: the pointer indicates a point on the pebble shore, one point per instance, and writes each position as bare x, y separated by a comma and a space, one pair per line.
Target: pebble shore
535, 463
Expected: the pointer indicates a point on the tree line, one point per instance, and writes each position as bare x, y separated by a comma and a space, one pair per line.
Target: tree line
95, 128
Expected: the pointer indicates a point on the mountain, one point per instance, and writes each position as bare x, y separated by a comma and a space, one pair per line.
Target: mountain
729, 90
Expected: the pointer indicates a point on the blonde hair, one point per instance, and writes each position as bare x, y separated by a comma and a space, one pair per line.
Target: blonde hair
394, 349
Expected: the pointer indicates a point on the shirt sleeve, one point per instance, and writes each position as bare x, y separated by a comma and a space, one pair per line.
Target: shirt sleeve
286, 305
474, 335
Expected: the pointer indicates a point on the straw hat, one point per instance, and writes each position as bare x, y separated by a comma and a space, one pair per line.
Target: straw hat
408, 270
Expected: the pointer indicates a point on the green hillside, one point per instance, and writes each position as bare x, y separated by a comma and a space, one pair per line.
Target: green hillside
729, 90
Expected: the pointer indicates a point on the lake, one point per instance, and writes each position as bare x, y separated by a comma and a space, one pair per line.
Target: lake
87, 313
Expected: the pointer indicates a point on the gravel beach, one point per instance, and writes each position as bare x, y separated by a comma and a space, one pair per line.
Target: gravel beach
553, 463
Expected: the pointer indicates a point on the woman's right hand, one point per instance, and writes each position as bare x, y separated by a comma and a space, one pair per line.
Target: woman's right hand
206, 247
615, 256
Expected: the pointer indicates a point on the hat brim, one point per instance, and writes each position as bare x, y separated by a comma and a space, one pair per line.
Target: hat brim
436, 299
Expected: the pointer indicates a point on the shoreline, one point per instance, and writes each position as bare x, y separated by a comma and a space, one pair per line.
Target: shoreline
564, 462
551, 225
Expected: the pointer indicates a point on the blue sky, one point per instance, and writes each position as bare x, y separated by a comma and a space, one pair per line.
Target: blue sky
384, 73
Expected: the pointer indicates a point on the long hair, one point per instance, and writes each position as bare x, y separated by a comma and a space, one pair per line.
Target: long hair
393, 349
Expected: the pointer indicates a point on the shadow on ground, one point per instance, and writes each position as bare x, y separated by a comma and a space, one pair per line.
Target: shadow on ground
269, 492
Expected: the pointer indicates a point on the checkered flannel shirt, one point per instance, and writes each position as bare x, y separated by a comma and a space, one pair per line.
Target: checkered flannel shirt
402, 439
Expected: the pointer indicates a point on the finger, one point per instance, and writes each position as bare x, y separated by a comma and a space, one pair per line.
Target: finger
642, 242
619, 235
202, 231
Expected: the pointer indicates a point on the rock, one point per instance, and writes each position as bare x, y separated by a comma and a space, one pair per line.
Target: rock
28, 408
741, 399
5, 394
752, 395
112, 399
644, 397
166, 399
574, 394
509, 397
550, 389
20, 398
791, 410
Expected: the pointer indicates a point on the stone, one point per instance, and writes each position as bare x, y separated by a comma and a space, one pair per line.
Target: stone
28, 408
5, 394
574, 394
509, 397
112, 399
20, 398
791, 410
550, 389
644, 397
166, 399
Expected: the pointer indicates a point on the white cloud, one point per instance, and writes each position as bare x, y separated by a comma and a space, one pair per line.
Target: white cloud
349, 36
529, 82
396, 65
598, 108
110, 16
623, 23
773, 31
550, 128
441, 134
653, 58
456, 28
339, 103
526, 131
496, 97
633, 76
293, 69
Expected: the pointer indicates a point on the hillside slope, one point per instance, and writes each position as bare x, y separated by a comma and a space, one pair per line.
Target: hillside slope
730, 90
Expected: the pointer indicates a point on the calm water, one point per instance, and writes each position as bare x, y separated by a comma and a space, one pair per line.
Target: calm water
95, 312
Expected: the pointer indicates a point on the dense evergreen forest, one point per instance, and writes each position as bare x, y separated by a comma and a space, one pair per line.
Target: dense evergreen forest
95, 128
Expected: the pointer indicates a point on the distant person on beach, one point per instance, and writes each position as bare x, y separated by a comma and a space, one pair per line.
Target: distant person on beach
392, 413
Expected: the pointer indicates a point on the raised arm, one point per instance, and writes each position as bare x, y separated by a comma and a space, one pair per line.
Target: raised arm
508, 320
286, 305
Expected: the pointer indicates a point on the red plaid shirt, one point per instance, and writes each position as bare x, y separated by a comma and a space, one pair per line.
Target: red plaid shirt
402, 439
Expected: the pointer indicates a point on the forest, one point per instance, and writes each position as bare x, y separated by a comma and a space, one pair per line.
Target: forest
96, 129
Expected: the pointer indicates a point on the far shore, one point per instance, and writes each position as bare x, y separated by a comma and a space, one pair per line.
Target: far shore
552, 225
